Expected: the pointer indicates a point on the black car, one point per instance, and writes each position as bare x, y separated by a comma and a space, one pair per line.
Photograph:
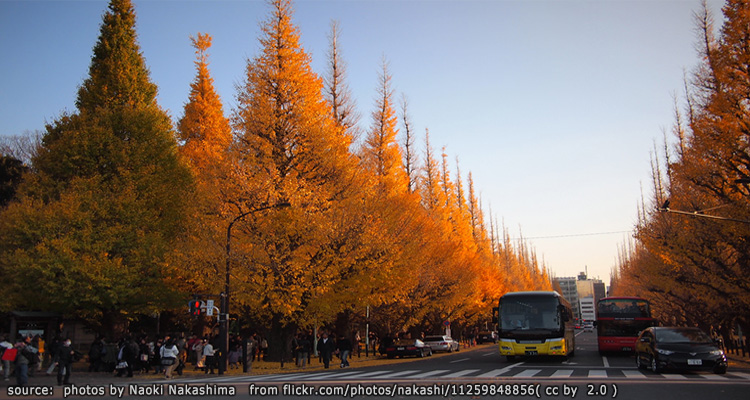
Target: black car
408, 347
660, 348
485, 337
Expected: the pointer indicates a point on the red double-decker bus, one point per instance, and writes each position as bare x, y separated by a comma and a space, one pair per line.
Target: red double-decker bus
619, 320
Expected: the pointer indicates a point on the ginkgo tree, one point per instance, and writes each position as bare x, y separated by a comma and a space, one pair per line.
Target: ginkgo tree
96, 218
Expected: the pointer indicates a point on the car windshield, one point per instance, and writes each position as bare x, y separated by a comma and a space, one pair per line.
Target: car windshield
405, 342
433, 339
682, 336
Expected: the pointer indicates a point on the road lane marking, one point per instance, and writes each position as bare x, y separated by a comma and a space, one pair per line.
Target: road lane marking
335, 375
674, 376
715, 377
527, 373
606, 362
740, 374
369, 374
562, 373
461, 360
633, 374
494, 373
398, 373
597, 373
460, 373
431, 373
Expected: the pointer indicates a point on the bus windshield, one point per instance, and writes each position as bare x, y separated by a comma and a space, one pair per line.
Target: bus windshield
623, 308
530, 313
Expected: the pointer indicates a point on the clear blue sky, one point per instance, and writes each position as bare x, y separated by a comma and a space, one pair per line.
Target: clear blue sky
554, 106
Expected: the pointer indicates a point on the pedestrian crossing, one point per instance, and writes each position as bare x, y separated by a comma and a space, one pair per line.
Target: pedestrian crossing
468, 374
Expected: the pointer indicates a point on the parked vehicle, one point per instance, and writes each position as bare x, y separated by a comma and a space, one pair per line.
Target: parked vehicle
408, 347
442, 343
487, 337
588, 327
660, 348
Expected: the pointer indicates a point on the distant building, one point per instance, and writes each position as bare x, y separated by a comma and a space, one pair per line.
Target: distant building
570, 292
582, 293
588, 308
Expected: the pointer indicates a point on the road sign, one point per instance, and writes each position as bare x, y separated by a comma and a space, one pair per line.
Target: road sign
209, 307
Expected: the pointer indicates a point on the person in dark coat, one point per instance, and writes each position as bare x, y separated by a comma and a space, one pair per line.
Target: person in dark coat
326, 347
344, 346
64, 357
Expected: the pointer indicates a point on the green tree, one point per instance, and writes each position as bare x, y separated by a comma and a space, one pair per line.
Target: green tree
91, 231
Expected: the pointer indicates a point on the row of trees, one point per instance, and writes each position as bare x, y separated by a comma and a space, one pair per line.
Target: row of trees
121, 214
695, 268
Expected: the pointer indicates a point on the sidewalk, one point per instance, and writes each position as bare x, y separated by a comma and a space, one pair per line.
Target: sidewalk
737, 361
81, 377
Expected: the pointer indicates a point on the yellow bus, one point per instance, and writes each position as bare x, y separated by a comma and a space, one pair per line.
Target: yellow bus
535, 324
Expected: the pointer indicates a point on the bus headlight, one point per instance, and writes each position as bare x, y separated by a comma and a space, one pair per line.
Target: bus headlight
553, 348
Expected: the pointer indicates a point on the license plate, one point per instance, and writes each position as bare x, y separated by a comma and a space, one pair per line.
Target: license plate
627, 349
400, 348
695, 362
531, 353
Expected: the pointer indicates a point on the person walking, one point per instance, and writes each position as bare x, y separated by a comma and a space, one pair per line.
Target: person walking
64, 357
96, 352
23, 355
209, 355
200, 359
6, 358
169, 354
326, 347
344, 347
303, 350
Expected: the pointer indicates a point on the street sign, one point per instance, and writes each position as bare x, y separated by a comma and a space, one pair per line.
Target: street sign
209, 307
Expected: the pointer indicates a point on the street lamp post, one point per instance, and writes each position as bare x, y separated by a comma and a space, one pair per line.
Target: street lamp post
224, 330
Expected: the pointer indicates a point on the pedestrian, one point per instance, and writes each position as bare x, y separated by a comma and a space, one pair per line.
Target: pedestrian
181, 344
326, 347
303, 350
23, 355
344, 347
253, 346
96, 351
144, 357
200, 359
33, 354
52, 349
156, 359
209, 356
64, 356
263, 348
234, 356
40, 346
7, 355
127, 357
169, 354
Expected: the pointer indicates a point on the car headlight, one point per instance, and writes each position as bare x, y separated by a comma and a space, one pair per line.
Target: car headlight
664, 352
716, 352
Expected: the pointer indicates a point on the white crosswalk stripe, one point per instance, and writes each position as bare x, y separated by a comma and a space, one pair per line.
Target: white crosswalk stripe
562, 373
527, 373
500, 373
597, 373
459, 374
633, 374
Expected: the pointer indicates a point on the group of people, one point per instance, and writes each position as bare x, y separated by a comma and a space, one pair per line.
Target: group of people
28, 354
326, 346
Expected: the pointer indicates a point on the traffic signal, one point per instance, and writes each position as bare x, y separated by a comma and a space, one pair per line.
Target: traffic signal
195, 307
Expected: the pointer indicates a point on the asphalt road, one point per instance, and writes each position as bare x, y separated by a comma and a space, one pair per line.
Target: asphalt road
477, 373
